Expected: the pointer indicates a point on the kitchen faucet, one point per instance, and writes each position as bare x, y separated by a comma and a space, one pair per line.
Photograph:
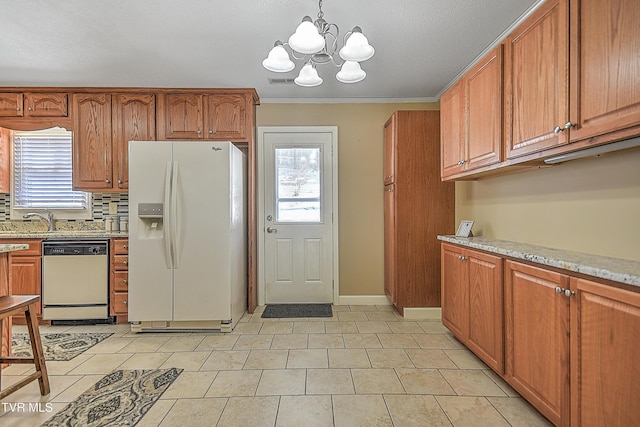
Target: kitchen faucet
48, 218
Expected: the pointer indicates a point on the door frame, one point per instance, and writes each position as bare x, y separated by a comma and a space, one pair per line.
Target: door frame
262, 130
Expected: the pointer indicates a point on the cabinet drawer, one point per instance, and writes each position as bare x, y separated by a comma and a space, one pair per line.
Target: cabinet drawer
121, 301
120, 281
121, 262
35, 246
121, 246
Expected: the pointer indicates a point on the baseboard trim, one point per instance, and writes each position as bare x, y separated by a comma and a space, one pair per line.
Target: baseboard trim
362, 300
423, 313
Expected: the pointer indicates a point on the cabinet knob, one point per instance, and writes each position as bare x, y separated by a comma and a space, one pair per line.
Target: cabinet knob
125, 246
210, 131
569, 125
568, 293
124, 302
461, 162
125, 281
107, 181
558, 290
17, 108
558, 129
462, 258
198, 131
119, 181
125, 262
30, 109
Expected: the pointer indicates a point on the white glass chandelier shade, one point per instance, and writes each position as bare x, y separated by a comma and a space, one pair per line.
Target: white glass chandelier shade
306, 39
278, 60
308, 76
351, 73
357, 47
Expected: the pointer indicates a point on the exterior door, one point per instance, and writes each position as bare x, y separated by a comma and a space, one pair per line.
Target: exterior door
298, 217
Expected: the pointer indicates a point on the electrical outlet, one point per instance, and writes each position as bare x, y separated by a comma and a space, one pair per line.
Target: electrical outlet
113, 208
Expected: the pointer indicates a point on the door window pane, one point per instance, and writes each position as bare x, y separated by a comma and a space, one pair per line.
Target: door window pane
298, 187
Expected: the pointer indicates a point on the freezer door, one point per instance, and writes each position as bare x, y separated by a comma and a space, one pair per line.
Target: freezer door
150, 272
202, 289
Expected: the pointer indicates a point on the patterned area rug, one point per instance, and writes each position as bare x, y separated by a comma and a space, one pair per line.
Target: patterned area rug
57, 346
297, 310
119, 399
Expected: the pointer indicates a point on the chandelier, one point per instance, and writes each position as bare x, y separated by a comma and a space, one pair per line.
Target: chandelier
316, 43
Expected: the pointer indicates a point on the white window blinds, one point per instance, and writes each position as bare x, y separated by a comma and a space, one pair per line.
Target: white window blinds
42, 171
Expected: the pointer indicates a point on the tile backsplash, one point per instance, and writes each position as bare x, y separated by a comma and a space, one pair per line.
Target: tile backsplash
100, 205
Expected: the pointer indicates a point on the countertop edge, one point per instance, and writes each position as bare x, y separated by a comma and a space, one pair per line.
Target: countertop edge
5, 248
615, 269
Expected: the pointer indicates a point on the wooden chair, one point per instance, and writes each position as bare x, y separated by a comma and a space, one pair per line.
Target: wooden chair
9, 306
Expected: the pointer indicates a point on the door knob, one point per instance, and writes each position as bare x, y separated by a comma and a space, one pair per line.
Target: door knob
272, 230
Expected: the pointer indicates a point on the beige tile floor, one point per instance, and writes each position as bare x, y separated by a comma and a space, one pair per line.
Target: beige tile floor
365, 366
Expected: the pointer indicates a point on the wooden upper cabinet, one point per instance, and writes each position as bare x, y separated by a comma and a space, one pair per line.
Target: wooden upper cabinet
452, 134
483, 87
220, 116
180, 116
389, 150
92, 155
536, 81
226, 117
605, 342
605, 67
46, 104
537, 338
11, 104
33, 104
134, 119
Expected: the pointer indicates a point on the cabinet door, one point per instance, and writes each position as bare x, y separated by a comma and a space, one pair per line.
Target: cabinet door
180, 116
483, 84
455, 291
536, 81
46, 104
5, 160
92, 156
537, 338
225, 117
134, 119
25, 273
390, 242
11, 105
486, 326
452, 136
605, 338
605, 90
389, 150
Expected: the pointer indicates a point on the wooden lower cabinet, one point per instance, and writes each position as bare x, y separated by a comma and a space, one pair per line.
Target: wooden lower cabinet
537, 338
605, 341
25, 273
472, 302
119, 281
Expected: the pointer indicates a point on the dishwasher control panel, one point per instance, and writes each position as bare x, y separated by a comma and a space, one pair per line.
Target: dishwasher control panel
52, 248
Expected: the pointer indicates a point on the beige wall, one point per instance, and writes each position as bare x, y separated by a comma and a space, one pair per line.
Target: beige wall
360, 185
589, 205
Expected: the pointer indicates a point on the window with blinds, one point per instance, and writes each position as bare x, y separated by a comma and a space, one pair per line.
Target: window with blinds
42, 172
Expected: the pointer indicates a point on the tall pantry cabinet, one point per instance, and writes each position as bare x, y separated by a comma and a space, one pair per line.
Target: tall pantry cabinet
417, 207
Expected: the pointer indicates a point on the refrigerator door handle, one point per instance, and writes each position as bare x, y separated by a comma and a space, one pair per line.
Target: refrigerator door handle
166, 237
174, 216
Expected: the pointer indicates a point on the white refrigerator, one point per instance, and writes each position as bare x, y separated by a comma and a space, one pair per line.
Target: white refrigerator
187, 235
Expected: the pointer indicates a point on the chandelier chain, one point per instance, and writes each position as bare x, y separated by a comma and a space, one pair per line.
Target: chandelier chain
320, 13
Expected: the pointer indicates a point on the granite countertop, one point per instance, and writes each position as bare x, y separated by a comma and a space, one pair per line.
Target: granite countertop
63, 230
10, 248
615, 269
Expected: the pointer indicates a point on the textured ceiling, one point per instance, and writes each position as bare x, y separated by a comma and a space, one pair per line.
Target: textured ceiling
421, 45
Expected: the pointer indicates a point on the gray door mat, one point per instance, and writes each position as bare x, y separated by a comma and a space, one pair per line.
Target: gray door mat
297, 310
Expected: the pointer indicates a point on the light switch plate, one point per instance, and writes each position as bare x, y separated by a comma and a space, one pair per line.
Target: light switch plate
113, 208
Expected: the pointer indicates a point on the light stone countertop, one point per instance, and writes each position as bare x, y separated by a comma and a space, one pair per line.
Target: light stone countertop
615, 269
11, 247
63, 230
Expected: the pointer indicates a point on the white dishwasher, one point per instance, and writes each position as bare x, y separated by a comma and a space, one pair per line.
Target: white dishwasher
75, 279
